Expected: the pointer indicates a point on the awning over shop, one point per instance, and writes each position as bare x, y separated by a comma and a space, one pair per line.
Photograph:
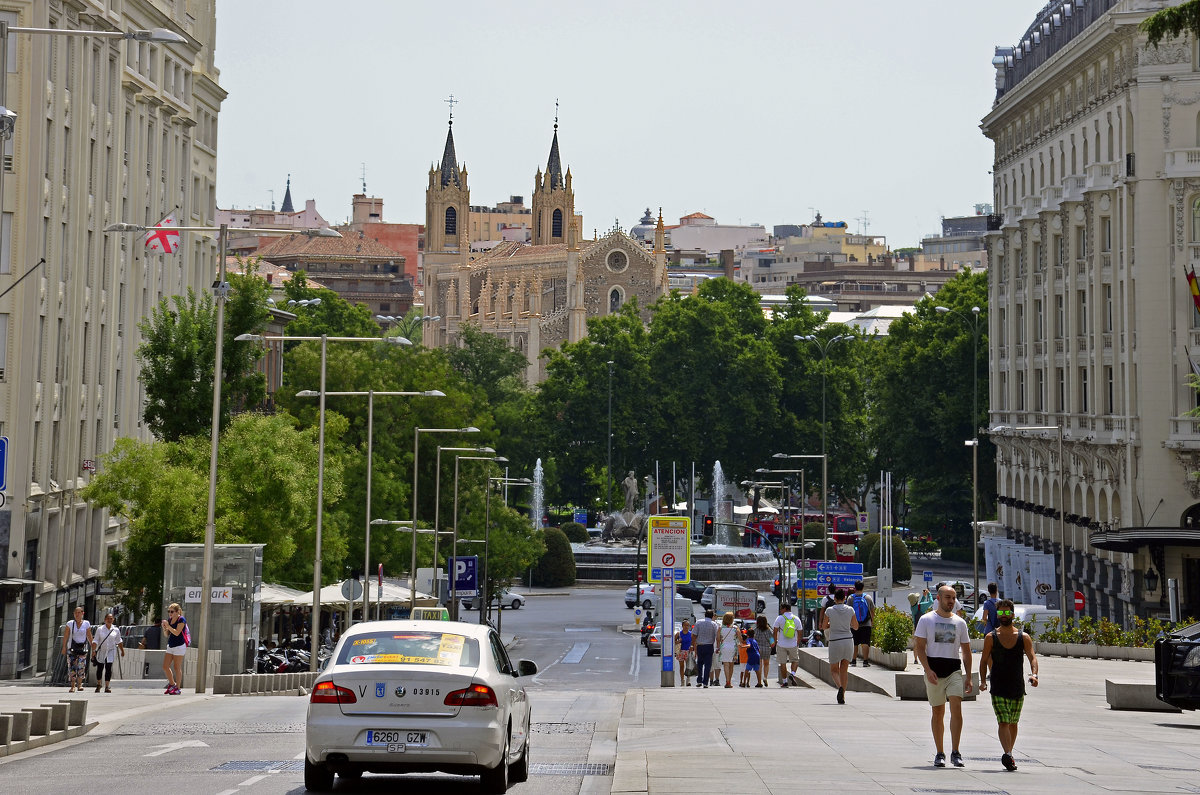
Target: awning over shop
1131, 539
392, 594
271, 594
17, 582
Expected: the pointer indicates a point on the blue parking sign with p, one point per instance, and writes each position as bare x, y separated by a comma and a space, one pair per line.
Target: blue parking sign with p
465, 571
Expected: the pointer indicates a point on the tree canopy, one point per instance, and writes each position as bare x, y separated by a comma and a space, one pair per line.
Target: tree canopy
1172, 22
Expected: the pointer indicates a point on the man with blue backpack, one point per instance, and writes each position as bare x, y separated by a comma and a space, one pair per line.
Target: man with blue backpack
864, 611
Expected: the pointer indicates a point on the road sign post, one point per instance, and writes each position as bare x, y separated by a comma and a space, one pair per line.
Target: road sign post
669, 559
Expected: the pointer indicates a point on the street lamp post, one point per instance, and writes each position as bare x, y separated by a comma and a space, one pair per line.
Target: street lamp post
455, 540
221, 293
1062, 505
485, 606
608, 469
824, 349
370, 395
437, 502
803, 570
973, 442
412, 573
324, 340
406, 526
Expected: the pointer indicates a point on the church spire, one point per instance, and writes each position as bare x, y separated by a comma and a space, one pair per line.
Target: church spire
449, 166
287, 198
554, 164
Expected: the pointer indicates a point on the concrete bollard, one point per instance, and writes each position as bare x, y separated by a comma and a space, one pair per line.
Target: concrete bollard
6, 722
58, 716
39, 720
76, 711
20, 726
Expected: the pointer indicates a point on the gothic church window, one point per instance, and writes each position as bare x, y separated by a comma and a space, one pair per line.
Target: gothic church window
614, 300
556, 229
451, 221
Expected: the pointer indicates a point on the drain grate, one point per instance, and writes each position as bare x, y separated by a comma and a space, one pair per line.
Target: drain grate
569, 769
257, 766
563, 728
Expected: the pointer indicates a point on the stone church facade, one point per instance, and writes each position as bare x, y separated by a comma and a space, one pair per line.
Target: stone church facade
539, 295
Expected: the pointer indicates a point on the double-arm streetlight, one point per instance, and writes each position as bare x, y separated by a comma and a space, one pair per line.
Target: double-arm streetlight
485, 597
1062, 504
324, 339
412, 573
455, 540
823, 347
824, 492
406, 526
972, 323
221, 293
370, 395
437, 502
803, 568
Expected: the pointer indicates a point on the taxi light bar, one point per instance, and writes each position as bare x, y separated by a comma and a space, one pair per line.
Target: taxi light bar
329, 693
473, 696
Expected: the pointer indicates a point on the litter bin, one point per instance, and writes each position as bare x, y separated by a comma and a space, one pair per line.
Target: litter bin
1177, 668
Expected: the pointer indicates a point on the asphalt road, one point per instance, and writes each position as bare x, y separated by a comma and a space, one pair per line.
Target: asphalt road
255, 745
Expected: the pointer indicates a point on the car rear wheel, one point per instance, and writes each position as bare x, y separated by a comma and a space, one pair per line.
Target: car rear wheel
317, 778
516, 604
495, 780
647, 604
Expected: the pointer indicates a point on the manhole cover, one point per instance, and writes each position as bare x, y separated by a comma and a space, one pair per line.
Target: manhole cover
563, 728
257, 766
569, 769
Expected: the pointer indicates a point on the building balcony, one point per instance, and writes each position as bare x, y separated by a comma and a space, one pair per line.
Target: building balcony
1099, 176
1052, 197
1182, 163
1012, 216
1184, 434
1031, 206
1073, 188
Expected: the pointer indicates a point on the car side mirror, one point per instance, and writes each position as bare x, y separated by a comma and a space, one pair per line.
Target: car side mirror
526, 668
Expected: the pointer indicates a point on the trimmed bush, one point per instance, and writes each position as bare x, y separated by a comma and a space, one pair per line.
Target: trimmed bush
960, 554
902, 566
865, 544
575, 532
891, 628
556, 568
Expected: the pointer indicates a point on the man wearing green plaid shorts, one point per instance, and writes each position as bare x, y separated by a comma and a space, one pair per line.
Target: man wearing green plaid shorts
1003, 650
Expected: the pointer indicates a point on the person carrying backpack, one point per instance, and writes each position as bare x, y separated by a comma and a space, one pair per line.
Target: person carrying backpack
864, 612
990, 620
787, 644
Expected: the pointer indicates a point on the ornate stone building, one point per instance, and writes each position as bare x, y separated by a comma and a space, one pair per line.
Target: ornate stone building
1091, 325
535, 296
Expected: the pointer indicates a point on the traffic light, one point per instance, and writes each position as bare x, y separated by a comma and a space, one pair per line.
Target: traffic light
708, 525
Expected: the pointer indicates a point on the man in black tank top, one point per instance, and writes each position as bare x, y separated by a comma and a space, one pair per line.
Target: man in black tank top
1003, 650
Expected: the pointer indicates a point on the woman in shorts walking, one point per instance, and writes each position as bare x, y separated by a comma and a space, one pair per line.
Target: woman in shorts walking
175, 628
839, 624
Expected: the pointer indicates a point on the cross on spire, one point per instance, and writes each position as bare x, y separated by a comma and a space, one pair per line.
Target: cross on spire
556, 113
451, 102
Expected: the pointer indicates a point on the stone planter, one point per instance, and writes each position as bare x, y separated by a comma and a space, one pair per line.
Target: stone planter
1131, 653
1086, 650
1092, 651
892, 660
1050, 649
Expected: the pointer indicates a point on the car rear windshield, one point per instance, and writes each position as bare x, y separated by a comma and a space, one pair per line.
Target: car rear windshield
410, 647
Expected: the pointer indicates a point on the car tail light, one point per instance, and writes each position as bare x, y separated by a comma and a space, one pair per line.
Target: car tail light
473, 696
329, 693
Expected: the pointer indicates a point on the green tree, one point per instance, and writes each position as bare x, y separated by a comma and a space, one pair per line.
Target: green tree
333, 315
266, 491
177, 357
1173, 21
575, 532
901, 564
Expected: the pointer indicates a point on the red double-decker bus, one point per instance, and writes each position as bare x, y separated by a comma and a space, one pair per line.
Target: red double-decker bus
843, 532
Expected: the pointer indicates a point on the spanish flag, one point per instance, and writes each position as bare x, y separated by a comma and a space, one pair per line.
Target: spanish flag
1193, 286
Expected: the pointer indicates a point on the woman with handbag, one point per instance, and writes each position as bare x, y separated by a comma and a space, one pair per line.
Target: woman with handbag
106, 644
683, 651
76, 645
729, 638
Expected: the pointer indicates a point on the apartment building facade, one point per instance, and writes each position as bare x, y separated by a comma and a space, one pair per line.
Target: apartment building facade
1091, 325
108, 130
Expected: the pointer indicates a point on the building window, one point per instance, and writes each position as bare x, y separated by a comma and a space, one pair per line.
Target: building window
556, 228
1061, 403
614, 300
1083, 390
1110, 402
1020, 390
1060, 323
451, 221
1196, 220
1106, 234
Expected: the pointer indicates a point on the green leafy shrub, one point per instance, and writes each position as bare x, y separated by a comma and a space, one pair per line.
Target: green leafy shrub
575, 532
901, 566
865, 544
892, 628
556, 567
959, 554
1085, 629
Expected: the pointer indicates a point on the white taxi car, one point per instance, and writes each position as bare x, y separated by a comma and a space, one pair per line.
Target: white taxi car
419, 696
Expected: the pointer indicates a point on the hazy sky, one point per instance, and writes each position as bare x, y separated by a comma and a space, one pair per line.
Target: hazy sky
753, 112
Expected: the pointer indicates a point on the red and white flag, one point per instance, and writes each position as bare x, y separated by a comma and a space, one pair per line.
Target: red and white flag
163, 236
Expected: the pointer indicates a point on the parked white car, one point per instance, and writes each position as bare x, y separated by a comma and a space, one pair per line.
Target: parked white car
510, 600
405, 696
1033, 618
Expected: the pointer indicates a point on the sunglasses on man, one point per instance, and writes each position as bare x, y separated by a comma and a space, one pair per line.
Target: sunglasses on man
1004, 612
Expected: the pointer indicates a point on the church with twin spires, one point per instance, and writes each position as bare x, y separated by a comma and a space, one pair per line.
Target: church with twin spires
534, 295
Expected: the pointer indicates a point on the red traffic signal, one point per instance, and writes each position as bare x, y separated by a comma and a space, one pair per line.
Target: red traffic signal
708, 525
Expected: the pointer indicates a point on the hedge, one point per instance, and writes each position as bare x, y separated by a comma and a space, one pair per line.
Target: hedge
960, 554
901, 566
575, 532
556, 568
